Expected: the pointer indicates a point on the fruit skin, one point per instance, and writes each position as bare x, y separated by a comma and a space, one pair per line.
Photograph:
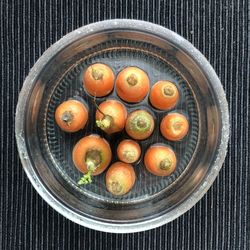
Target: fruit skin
128, 151
174, 126
98, 80
71, 115
140, 124
164, 95
115, 116
120, 178
91, 142
132, 84
160, 160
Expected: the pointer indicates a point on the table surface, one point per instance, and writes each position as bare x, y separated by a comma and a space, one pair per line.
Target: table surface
220, 30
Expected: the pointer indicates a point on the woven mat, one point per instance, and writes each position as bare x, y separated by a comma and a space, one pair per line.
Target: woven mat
219, 29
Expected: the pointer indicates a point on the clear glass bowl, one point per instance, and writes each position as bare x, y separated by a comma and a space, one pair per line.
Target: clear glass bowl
45, 150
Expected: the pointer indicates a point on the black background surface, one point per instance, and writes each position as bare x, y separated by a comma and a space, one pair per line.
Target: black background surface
219, 29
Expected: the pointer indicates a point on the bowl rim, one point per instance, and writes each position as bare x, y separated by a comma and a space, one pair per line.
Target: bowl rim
166, 34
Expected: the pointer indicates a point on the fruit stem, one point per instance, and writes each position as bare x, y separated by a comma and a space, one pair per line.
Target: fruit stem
132, 79
107, 120
116, 187
140, 123
97, 74
97, 107
177, 125
67, 117
129, 155
86, 179
92, 161
105, 123
165, 164
168, 91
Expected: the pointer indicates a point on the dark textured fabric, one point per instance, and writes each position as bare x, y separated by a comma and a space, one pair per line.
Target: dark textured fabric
219, 29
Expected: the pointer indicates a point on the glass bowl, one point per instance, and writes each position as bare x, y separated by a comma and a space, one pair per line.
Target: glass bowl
45, 150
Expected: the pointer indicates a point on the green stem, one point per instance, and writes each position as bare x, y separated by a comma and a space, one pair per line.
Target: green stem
107, 120
140, 123
97, 74
105, 123
165, 164
97, 107
87, 178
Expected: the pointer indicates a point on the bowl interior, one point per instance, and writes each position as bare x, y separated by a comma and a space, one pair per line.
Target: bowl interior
50, 148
